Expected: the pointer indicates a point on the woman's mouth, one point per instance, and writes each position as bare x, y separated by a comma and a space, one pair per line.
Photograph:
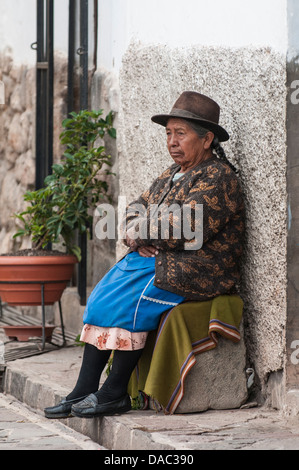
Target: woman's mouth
176, 154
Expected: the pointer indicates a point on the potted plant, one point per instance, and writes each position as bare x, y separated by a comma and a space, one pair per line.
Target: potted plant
62, 208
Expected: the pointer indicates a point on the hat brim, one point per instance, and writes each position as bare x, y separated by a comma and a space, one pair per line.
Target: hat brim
219, 131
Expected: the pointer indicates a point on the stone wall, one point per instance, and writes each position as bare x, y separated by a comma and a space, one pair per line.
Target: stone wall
249, 85
17, 164
17, 141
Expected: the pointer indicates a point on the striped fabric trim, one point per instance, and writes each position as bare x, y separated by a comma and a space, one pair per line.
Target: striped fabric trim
179, 390
205, 344
229, 331
162, 323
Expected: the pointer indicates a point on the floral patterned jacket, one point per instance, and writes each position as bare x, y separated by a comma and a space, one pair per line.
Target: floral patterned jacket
197, 222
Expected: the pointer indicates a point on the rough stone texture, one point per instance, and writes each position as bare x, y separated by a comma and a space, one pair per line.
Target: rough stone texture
17, 168
217, 381
249, 85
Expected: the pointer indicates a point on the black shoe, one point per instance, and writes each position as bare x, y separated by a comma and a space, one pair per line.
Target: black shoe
63, 409
90, 408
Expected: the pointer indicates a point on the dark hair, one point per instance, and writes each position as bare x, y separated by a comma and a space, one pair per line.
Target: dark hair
202, 131
221, 154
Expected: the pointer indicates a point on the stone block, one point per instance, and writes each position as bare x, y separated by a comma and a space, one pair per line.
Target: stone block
16, 101
292, 403
217, 380
25, 169
19, 136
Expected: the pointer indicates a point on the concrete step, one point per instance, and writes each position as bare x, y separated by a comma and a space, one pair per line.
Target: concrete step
42, 380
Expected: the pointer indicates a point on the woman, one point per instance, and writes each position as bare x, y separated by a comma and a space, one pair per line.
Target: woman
167, 263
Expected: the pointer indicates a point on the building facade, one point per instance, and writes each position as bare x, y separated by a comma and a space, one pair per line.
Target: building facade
141, 56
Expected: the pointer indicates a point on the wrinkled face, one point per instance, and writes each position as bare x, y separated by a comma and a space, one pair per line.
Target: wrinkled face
185, 146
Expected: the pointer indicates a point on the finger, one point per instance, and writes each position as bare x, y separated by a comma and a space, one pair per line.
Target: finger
153, 250
146, 252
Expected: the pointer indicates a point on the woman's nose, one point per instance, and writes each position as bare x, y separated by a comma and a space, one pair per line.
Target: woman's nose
172, 141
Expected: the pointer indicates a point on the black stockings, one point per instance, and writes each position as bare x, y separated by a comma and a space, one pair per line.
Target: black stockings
93, 363
116, 384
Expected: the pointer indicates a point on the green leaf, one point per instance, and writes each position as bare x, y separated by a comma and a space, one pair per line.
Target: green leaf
20, 233
57, 168
77, 252
66, 122
112, 132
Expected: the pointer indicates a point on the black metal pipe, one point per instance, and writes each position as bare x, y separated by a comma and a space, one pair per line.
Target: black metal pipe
39, 134
50, 82
71, 55
44, 90
83, 52
95, 35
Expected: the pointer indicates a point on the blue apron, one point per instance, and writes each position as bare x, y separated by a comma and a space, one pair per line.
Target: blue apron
127, 298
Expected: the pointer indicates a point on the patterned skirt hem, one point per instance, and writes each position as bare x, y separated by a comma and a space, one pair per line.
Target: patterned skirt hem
113, 338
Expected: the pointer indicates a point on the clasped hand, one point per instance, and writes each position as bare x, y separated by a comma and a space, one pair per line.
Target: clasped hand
146, 251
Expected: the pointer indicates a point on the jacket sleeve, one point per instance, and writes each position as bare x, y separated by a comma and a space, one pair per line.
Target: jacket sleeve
194, 217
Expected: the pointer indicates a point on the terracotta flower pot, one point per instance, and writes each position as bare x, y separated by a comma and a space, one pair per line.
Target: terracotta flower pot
22, 277
24, 333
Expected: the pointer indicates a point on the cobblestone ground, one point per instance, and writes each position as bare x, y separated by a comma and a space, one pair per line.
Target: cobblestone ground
21, 429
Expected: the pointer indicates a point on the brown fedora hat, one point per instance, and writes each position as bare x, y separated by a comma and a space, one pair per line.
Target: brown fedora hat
196, 107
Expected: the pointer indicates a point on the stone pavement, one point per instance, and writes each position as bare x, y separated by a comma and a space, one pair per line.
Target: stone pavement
21, 429
42, 380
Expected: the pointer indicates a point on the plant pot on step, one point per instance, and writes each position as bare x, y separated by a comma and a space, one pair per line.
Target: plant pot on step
24, 333
59, 211
22, 277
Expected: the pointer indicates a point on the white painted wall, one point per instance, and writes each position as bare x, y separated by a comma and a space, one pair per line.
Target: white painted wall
18, 28
231, 23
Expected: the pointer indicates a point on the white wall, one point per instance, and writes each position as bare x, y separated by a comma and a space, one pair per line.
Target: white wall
231, 23
18, 28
